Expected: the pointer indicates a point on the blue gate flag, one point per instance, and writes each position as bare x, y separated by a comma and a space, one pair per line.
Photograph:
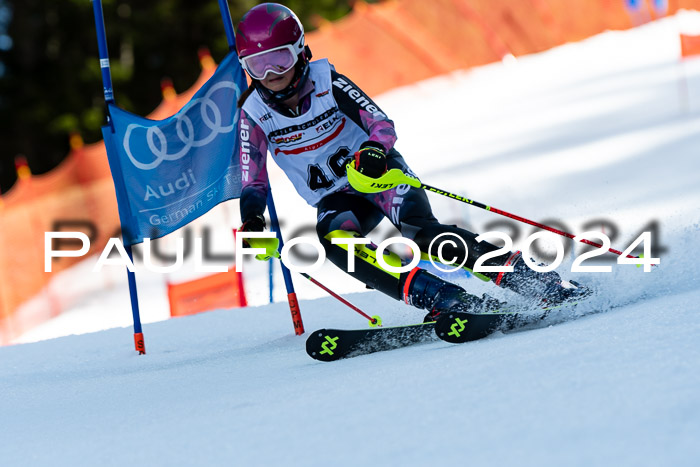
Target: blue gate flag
169, 172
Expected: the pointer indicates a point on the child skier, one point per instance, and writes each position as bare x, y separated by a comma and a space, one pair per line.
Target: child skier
314, 120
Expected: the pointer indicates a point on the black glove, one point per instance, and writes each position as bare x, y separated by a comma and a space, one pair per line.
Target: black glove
370, 159
253, 224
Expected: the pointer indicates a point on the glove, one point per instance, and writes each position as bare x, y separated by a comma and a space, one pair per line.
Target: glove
370, 159
253, 224
270, 245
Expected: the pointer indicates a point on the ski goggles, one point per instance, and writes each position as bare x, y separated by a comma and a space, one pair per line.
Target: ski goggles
278, 61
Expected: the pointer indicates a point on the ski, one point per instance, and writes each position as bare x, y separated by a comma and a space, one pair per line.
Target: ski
458, 327
328, 345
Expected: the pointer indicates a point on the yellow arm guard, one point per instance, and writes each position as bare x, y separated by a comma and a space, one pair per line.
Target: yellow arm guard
391, 179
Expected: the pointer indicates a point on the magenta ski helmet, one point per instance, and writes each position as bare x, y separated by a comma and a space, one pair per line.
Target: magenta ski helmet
270, 39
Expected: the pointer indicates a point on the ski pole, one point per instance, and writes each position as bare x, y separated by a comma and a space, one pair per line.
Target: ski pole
418, 184
373, 320
516, 217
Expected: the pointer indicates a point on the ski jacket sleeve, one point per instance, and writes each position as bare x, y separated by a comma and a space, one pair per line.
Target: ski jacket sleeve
253, 158
362, 110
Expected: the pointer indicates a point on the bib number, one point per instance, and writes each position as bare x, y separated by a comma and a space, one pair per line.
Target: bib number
319, 179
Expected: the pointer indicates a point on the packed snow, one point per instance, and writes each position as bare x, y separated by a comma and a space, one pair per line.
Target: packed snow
598, 135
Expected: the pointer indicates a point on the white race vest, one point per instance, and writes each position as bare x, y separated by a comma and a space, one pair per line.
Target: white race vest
313, 148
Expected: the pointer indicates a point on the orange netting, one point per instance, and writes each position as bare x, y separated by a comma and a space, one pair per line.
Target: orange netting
216, 291
690, 45
398, 42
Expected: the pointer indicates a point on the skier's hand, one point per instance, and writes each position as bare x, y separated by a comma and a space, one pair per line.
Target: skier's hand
253, 224
370, 159
270, 245
387, 181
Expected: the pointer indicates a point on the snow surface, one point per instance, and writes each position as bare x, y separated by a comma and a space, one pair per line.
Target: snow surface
605, 129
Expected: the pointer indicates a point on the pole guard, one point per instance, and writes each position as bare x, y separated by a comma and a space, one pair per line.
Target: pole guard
139, 343
296, 314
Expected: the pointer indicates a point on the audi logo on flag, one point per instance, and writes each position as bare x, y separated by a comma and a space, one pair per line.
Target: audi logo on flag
157, 142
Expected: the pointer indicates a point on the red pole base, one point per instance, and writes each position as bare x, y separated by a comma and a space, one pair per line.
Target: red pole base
296, 314
139, 343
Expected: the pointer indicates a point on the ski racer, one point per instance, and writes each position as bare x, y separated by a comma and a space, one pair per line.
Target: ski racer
314, 121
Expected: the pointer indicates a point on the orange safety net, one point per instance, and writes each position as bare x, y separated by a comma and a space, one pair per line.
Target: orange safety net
398, 42
690, 45
379, 46
214, 292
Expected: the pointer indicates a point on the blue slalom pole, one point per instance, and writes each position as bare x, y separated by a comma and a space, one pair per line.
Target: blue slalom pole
271, 281
291, 295
228, 24
139, 342
104, 54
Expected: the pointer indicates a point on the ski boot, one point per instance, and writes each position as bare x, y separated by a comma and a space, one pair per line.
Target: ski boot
436, 295
547, 288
